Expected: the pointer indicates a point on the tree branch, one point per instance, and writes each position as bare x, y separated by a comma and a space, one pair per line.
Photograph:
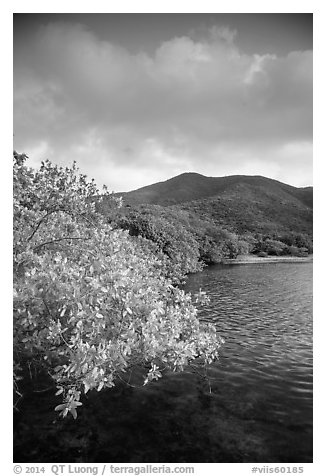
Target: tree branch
60, 239
41, 221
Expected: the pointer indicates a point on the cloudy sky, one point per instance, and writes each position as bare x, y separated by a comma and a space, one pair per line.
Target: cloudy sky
139, 98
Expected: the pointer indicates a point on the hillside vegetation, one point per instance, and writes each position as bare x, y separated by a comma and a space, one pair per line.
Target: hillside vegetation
196, 219
192, 186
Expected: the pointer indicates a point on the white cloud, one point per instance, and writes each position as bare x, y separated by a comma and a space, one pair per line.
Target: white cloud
190, 104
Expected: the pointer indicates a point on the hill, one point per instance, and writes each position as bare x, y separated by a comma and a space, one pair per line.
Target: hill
238, 203
192, 186
195, 219
251, 208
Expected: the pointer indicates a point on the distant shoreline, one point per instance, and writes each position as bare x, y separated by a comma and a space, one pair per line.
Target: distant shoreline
252, 259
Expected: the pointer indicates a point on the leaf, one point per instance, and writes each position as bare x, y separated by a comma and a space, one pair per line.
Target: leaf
62, 313
77, 404
58, 408
73, 412
73, 368
95, 372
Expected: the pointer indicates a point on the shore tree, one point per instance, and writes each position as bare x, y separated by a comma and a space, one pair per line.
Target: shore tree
92, 303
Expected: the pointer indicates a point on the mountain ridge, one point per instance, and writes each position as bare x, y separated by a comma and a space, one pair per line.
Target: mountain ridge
216, 218
190, 186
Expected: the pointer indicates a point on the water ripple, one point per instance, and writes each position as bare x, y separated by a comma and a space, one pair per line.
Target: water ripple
264, 313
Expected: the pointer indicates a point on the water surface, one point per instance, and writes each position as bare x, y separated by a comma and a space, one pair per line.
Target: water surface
265, 372
256, 406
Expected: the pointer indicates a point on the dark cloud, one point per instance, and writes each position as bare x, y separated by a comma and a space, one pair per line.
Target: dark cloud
194, 104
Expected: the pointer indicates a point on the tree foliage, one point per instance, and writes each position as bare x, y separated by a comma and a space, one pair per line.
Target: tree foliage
91, 303
165, 228
196, 238
283, 245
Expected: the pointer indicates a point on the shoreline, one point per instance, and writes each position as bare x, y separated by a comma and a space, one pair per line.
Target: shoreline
252, 259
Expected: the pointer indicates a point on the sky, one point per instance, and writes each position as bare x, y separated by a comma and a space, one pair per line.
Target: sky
139, 98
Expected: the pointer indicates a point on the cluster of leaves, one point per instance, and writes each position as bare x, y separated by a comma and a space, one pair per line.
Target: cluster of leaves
189, 241
241, 219
297, 240
170, 234
216, 243
284, 245
91, 303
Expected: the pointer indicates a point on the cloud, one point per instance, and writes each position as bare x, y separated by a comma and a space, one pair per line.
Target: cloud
195, 104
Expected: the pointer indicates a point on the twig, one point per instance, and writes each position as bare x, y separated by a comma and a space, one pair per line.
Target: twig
61, 239
41, 221
44, 390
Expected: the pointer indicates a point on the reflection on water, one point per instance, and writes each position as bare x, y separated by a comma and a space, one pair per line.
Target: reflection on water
264, 313
257, 407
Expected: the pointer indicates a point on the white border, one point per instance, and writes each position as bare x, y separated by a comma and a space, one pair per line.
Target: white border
168, 6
